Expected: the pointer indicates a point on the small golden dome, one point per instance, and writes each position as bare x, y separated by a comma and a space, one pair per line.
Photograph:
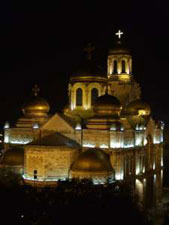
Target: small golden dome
13, 157
138, 107
119, 48
107, 105
92, 160
37, 107
119, 51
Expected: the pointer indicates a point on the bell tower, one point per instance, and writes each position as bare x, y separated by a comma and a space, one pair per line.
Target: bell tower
119, 62
119, 73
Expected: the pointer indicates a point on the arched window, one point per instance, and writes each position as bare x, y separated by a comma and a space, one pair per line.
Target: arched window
94, 95
79, 96
115, 67
123, 64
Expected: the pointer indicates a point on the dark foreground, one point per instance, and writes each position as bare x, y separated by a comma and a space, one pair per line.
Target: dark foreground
76, 202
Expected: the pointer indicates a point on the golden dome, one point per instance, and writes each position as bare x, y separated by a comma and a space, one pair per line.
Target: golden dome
107, 105
37, 107
13, 157
138, 107
92, 160
119, 48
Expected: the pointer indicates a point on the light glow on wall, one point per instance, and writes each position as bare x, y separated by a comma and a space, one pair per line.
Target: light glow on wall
6, 126
89, 145
6, 139
141, 112
140, 128
35, 126
162, 138
162, 160
98, 181
139, 139
72, 107
154, 165
104, 146
157, 140
119, 175
139, 188
78, 126
137, 169
20, 142
114, 144
128, 146
124, 77
113, 127
44, 179
145, 141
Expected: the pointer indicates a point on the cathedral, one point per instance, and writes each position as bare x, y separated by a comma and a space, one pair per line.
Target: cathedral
105, 133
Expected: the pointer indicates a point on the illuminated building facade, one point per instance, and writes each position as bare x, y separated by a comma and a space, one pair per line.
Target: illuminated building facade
105, 132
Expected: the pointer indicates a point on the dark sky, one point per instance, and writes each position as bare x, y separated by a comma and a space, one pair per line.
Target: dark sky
43, 43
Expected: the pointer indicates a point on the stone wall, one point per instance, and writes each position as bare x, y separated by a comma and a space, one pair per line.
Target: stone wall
96, 138
20, 135
51, 163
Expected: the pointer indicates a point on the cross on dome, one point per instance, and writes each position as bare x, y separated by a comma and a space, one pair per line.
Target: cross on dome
89, 49
35, 90
119, 34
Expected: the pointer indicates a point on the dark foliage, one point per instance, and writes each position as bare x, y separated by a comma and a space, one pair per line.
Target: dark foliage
75, 202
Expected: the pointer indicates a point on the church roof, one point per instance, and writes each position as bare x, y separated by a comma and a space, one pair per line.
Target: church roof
55, 139
72, 122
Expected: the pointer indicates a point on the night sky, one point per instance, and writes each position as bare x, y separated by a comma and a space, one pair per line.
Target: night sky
42, 43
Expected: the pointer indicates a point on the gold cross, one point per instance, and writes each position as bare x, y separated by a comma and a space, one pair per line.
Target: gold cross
35, 89
89, 49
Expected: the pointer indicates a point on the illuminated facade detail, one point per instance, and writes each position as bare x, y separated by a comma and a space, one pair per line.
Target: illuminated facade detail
89, 92
88, 145
78, 127
6, 126
6, 139
35, 126
105, 117
104, 146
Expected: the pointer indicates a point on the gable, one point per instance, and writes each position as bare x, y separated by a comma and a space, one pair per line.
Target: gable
58, 124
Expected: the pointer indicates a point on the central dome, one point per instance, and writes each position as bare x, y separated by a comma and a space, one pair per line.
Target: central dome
37, 107
107, 105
